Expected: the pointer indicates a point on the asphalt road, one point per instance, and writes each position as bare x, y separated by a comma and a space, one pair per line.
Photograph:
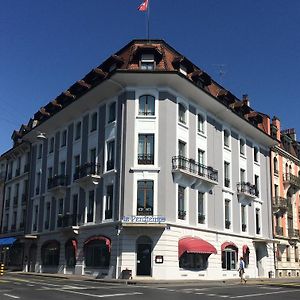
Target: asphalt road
44, 288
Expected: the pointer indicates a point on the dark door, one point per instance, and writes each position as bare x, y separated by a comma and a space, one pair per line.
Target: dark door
143, 264
32, 258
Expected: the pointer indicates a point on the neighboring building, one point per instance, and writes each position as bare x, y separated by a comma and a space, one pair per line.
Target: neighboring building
285, 191
15, 198
151, 166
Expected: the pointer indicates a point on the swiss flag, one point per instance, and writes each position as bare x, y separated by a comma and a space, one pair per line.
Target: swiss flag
143, 6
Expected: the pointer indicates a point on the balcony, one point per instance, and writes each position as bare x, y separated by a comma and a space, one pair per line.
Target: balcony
144, 211
280, 205
145, 159
291, 180
293, 233
87, 175
57, 185
195, 175
246, 191
278, 231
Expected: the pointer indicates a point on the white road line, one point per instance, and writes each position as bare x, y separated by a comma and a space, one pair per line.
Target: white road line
11, 296
101, 296
263, 294
211, 295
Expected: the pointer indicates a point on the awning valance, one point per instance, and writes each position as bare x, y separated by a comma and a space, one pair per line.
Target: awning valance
245, 249
100, 238
228, 244
195, 245
7, 241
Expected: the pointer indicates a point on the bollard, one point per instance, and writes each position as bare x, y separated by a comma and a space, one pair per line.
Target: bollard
1, 269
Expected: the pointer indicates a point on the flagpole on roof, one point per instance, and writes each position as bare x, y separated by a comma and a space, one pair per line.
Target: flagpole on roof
148, 20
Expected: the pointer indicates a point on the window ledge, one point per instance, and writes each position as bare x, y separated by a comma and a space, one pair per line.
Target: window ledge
202, 134
183, 125
227, 148
243, 156
143, 117
228, 190
145, 168
257, 163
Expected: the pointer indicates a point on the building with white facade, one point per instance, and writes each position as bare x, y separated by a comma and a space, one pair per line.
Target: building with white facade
149, 167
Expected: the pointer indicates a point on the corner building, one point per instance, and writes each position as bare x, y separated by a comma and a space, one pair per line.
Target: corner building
152, 168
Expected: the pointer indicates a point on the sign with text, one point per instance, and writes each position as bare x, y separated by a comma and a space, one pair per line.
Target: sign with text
144, 219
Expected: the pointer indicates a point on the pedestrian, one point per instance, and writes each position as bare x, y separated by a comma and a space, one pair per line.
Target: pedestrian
242, 270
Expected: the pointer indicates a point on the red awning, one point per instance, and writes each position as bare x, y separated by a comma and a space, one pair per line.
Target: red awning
228, 244
245, 249
195, 245
100, 238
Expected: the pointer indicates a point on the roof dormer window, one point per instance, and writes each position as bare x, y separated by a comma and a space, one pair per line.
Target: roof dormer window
147, 62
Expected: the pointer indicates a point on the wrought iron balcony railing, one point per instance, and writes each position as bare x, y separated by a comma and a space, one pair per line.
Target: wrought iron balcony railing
145, 159
279, 230
190, 165
201, 218
280, 202
87, 169
247, 188
293, 233
291, 179
144, 211
57, 180
181, 214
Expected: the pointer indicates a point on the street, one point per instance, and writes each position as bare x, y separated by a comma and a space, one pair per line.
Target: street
15, 286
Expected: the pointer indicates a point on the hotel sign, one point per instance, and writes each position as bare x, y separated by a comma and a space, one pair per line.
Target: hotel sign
144, 219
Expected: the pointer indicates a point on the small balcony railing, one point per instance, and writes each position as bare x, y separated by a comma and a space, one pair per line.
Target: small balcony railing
56, 181
280, 202
145, 159
291, 179
144, 211
86, 170
190, 165
293, 233
244, 227
227, 224
181, 214
201, 218
278, 230
247, 188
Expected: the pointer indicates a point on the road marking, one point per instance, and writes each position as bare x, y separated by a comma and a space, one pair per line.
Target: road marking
211, 295
11, 296
263, 294
3, 281
101, 296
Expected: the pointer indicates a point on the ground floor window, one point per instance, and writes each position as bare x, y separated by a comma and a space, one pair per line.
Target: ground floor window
70, 253
193, 261
50, 253
15, 257
97, 253
229, 258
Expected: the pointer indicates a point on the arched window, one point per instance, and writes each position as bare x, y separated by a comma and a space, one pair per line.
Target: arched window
275, 163
50, 253
70, 253
286, 168
229, 256
147, 105
290, 170
97, 252
226, 138
181, 113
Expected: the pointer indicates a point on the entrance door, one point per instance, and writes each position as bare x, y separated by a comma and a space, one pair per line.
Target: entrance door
32, 258
143, 251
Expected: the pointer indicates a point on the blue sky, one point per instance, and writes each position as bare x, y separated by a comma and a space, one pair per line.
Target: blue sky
46, 45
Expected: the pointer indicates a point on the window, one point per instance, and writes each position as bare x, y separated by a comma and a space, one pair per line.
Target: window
257, 220
201, 212
288, 253
181, 113
145, 197
147, 62
147, 105
296, 254
63, 138
226, 138
93, 155
38, 182
40, 150
35, 217
200, 123
112, 112
94, 122
226, 174
47, 215
181, 204
60, 211
243, 217
18, 169
256, 183
201, 169
242, 175
51, 146
78, 130
50, 254
193, 261
97, 253
181, 148
227, 214
146, 149
75, 218
242, 147
229, 258
275, 165
62, 168
90, 207
110, 163
50, 172
255, 153
109, 201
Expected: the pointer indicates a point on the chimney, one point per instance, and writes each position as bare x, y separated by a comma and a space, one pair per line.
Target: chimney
291, 132
276, 124
246, 99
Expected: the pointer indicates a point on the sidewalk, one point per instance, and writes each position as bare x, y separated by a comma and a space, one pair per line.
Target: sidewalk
288, 282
